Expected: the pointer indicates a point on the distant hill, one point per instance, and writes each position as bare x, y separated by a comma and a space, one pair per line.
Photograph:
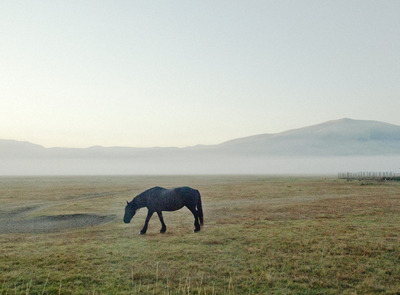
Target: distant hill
345, 137
291, 151
18, 149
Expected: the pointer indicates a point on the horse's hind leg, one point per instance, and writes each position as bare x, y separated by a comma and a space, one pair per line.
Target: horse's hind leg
196, 218
163, 226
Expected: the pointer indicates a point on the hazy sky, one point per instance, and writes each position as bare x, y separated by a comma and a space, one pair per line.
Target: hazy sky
178, 73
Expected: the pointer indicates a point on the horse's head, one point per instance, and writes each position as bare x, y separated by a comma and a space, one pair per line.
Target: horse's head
130, 211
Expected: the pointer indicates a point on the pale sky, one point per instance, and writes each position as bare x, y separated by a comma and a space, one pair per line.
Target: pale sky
180, 73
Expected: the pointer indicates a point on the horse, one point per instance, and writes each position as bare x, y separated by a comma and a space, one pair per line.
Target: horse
158, 199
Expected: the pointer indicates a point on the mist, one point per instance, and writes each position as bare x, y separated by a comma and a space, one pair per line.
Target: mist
328, 148
200, 165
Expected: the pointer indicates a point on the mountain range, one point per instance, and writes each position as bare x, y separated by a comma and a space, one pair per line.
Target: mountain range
344, 138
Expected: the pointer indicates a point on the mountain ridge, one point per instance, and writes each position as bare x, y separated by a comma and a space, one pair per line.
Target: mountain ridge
332, 138
337, 137
319, 128
326, 148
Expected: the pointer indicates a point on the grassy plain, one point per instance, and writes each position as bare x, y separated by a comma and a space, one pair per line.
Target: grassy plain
262, 235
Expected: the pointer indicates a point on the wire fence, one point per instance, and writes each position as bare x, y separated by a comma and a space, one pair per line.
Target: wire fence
369, 175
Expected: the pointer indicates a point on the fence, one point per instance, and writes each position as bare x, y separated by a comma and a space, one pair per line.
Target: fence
369, 175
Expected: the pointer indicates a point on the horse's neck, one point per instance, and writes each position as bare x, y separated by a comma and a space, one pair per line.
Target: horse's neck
141, 201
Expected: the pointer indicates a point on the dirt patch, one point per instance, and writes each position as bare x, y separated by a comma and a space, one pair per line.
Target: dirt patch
50, 224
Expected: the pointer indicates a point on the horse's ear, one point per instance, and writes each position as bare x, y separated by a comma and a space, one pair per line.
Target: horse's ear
127, 202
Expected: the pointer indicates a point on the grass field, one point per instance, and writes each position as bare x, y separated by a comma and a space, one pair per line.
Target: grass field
262, 235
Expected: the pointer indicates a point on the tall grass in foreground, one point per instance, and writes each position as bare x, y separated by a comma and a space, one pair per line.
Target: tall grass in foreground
185, 287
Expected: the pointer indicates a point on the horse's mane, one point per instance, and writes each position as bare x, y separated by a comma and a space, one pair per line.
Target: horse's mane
141, 198
149, 191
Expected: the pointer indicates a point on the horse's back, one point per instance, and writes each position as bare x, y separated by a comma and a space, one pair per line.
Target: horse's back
185, 190
189, 195
162, 199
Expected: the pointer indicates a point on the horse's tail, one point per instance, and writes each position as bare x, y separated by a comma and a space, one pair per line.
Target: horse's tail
200, 208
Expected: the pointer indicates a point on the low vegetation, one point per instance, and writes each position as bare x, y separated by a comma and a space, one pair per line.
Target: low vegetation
262, 235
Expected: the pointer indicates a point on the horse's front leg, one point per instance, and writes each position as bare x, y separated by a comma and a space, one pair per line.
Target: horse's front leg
163, 226
146, 223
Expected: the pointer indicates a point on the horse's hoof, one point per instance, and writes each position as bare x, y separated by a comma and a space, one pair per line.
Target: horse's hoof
196, 230
163, 231
142, 233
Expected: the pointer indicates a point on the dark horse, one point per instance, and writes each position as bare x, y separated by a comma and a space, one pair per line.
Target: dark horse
158, 199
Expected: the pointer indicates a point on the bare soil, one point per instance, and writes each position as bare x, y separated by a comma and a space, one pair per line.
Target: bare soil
20, 221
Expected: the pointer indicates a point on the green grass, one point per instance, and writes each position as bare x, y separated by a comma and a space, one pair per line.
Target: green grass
262, 235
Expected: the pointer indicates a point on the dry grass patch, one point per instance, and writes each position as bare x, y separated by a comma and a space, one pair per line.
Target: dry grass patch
262, 235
